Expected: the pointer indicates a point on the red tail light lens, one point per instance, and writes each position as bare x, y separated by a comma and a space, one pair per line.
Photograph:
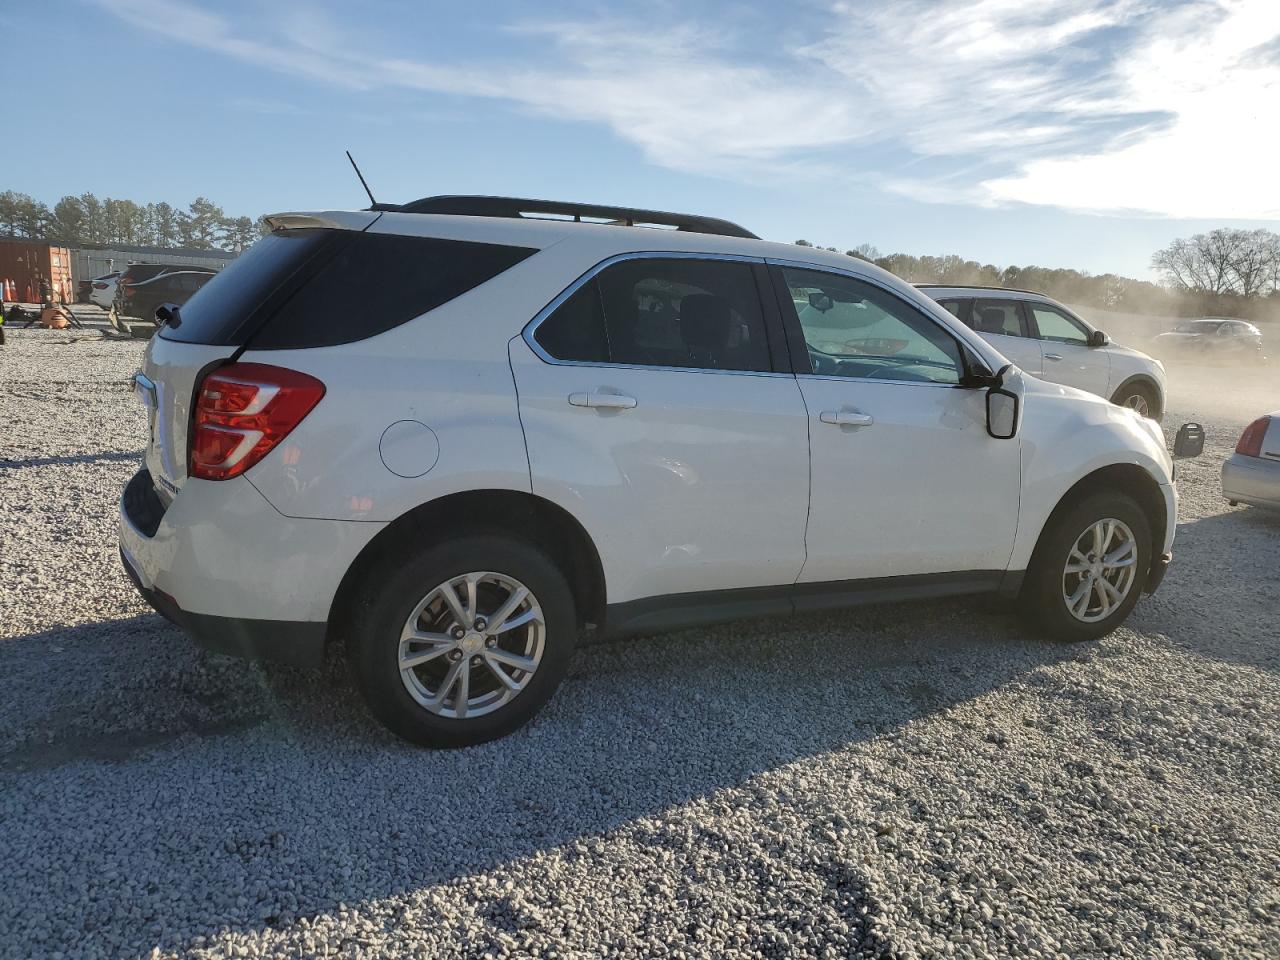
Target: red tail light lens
242, 412
128, 290
1250, 444
99, 286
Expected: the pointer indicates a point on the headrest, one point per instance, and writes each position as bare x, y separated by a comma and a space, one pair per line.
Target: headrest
706, 321
991, 320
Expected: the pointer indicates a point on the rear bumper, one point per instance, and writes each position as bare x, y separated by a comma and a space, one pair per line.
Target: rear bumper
299, 643
1251, 480
231, 571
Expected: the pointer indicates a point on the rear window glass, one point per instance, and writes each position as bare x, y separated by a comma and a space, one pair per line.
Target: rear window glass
316, 288
221, 311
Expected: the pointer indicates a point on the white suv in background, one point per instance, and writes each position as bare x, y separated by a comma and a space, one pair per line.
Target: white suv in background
459, 435
1048, 341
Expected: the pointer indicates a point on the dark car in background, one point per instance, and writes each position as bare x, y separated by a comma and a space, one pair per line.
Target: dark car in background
141, 299
1212, 338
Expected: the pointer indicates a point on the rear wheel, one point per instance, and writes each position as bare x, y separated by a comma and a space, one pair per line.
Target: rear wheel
1089, 568
1139, 397
465, 641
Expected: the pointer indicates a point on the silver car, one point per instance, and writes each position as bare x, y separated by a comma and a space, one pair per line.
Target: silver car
1252, 473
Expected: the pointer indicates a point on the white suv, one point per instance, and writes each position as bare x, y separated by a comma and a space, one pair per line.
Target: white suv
1047, 340
459, 437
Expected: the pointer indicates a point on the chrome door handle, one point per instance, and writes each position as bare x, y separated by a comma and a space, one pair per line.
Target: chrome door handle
602, 401
1053, 356
843, 418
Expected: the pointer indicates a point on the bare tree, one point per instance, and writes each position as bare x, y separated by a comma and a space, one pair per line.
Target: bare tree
1222, 261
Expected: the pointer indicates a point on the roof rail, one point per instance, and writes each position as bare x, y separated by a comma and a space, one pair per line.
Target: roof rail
978, 286
517, 207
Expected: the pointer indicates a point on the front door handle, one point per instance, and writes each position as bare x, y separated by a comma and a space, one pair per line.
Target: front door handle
602, 401
843, 418
1053, 356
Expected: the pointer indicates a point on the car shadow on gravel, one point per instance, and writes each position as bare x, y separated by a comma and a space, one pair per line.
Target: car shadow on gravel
1219, 598
268, 773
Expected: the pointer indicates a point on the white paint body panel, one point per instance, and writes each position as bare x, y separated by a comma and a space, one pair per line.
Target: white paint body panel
703, 485
222, 550
922, 489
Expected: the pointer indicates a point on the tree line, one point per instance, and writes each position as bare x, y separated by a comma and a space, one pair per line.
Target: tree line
85, 220
1226, 272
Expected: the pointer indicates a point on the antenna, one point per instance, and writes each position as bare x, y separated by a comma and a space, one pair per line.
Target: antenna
372, 202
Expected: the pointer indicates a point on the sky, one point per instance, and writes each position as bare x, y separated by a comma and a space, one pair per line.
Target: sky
1067, 133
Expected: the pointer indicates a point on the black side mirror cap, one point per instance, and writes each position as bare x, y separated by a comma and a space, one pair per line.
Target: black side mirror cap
167, 313
1189, 441
1098, 339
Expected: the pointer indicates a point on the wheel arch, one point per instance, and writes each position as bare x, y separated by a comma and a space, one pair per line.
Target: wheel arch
505, 512
1142, 380
1127, 478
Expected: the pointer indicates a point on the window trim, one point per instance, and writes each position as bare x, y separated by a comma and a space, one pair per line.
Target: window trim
799, 347
779, 365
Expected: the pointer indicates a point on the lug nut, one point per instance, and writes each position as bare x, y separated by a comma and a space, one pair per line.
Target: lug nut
491, 641
480, 624
475, 661
458, 633
455, 656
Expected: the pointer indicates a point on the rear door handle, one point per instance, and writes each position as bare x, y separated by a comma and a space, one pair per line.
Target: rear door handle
1053, 356
843, 418
602, 401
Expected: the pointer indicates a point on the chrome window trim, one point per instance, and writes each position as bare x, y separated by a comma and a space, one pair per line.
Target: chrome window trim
531, 328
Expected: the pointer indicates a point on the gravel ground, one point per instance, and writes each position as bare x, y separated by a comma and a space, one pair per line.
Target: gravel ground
915, 780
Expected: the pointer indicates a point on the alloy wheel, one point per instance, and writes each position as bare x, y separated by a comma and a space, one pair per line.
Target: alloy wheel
471, 645
1100, 571
1138, 402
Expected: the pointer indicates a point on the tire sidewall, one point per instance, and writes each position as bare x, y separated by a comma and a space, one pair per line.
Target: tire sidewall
394, 591
1042, 601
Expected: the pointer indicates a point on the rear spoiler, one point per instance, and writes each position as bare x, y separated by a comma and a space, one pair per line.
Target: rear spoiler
327, 220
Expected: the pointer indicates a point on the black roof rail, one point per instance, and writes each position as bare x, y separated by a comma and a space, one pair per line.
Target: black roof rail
517, 208
979, 286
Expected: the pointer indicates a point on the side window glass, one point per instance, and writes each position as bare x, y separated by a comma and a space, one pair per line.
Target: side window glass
854, 329
1058, 327
575, 331
1000, 317
953, 307
652, 312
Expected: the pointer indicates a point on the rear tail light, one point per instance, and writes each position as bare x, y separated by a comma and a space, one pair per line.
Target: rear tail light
128, 290
99, 286
242, 411
1250, 444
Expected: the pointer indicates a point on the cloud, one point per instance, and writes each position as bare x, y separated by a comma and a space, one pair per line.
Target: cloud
1108, 105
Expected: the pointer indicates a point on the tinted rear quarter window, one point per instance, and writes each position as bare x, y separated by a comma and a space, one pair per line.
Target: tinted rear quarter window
318, 288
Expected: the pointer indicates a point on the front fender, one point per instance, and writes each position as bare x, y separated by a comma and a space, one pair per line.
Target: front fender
1067, 435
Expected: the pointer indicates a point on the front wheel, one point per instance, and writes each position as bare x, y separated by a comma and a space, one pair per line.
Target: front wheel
1089, 568
464, 641
1140, 398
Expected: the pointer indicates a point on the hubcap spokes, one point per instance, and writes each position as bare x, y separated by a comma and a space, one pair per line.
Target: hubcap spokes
1100, 571
471, 645
1139, 403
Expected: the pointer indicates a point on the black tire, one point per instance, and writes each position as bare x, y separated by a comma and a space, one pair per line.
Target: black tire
1041, 600
390, 598
1125, 396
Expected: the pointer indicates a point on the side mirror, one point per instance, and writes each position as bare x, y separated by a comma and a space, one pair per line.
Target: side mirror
168, 313
1002, 413
1098, 339
820, 301
1189, 441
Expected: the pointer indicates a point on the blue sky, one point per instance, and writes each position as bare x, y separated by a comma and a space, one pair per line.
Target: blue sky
1077, 133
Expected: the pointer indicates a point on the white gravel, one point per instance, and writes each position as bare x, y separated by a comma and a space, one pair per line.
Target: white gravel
913, 781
